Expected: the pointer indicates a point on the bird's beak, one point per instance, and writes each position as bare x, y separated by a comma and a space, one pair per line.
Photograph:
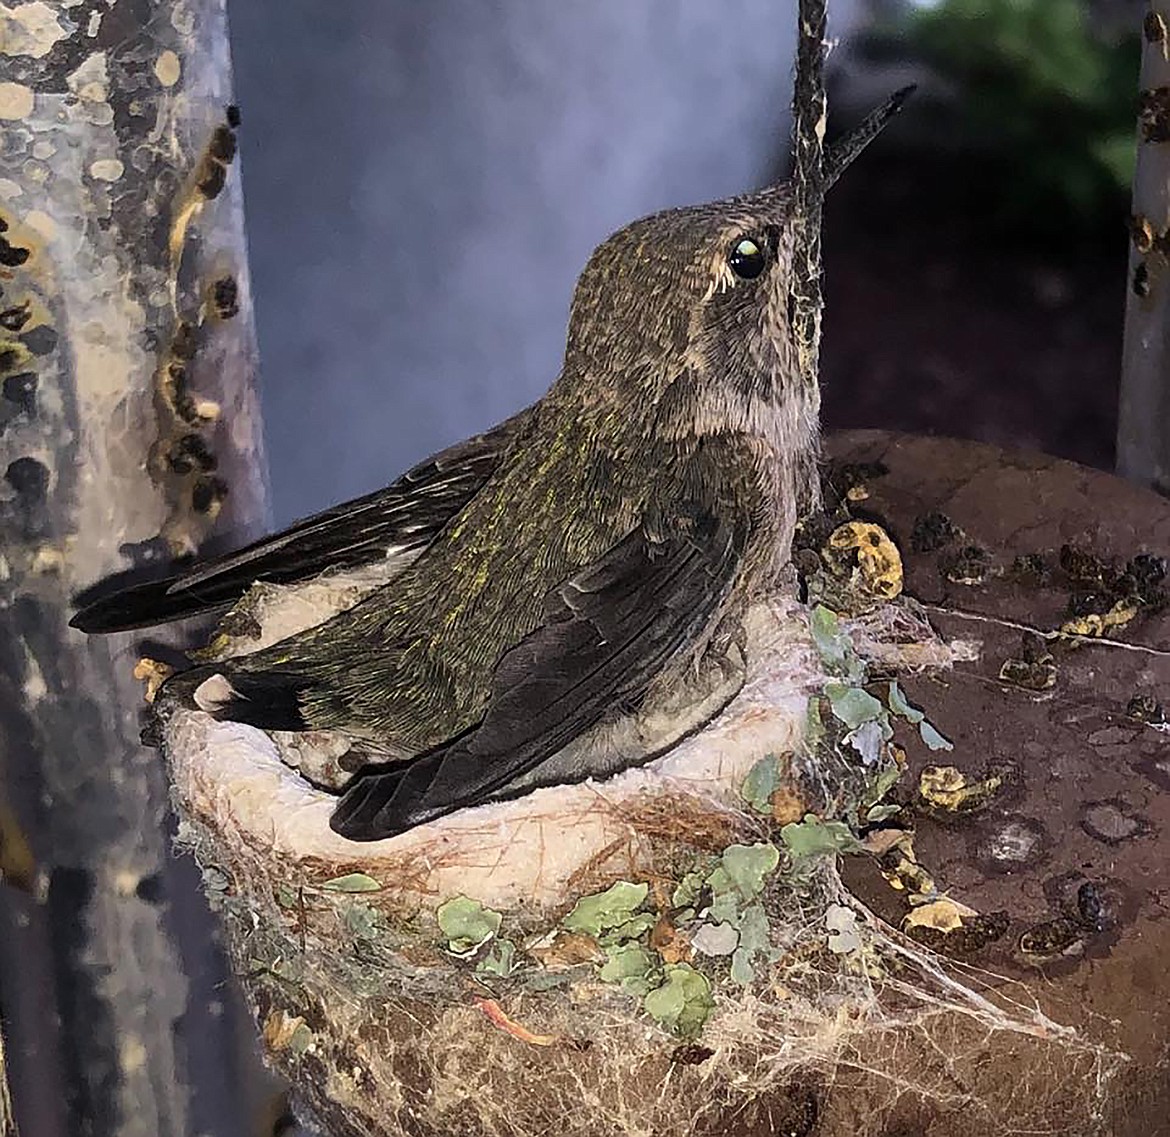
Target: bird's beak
841, 153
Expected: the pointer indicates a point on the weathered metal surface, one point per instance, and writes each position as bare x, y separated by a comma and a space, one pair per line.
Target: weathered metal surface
1073, 846
128, 418
1143, 433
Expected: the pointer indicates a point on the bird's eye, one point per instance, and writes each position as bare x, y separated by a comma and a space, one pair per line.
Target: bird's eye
746, 259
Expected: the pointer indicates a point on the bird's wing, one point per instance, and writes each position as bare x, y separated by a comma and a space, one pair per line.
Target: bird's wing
608, 632
401, 519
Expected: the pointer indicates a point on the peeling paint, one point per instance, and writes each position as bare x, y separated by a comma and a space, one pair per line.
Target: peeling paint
35, 688
183, 19
31, 29
16, 101
41, 224
107, 169
132, 1055
167, 69
91, 81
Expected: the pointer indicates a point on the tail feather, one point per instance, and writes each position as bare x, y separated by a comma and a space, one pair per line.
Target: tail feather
386, 800
269, 700
154, 602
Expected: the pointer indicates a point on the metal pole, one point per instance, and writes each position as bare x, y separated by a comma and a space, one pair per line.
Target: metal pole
1143, 434
128, 422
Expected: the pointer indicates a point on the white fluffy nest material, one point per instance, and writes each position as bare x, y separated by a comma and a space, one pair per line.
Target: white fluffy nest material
531, 851
383, 1033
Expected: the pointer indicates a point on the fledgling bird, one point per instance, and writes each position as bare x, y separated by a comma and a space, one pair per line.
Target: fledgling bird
571, 584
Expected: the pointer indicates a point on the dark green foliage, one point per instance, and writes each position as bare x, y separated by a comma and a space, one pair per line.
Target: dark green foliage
1035, 96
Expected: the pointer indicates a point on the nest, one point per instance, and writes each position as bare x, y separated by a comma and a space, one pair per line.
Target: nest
454, 980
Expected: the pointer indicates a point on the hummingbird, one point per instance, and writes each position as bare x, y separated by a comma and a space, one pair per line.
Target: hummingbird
567, 588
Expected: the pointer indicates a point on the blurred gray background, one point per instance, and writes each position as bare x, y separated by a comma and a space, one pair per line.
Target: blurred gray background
424, 181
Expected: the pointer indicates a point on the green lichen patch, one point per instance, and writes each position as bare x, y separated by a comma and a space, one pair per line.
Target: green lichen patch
735, 922
301, 1039
363, 922
467, 924
631, 966
762, 781
755, 944
683, 1002
500, 959
352, 882
900, 706
743, 869
287, 897
853, 706
687, 891
932, 738
903, 708
834, 646
872, 807
633, 929
813, 837
606, 910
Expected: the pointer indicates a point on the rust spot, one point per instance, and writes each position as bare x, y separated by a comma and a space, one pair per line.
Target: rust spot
211, 178
211, 173
176, 374
932, 531
1154, 114
1030, 568
976, 933
225, 297
12, 256
191, 453
1051, 939
222, 146
13, 355
30, 479
207, 494
1141, 281
1145, 708
13, 319
21, 389
1142, 232
183, 342
970, 564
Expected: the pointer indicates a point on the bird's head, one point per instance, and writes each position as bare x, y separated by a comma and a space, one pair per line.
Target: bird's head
704, 289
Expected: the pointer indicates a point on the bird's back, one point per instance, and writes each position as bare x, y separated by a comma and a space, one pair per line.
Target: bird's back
411, 665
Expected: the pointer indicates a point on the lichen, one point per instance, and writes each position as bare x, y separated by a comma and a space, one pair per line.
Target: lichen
727, 941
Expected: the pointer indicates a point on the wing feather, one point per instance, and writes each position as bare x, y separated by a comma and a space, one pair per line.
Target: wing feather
401, 520
608, 633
